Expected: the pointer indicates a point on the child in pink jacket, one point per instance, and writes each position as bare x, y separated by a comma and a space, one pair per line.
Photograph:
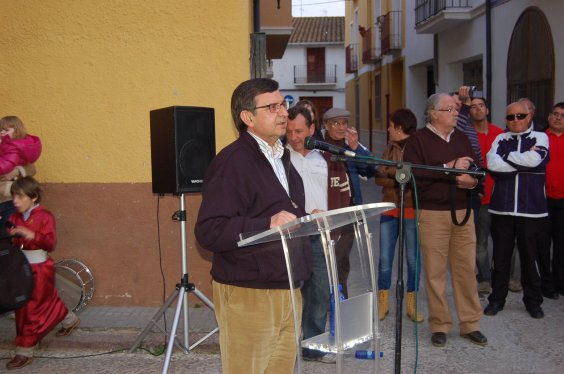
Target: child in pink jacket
17, 147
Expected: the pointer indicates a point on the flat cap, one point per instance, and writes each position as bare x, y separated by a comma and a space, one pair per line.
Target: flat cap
336, 113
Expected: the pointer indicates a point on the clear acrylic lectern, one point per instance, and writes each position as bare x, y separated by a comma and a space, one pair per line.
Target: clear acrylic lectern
356, 318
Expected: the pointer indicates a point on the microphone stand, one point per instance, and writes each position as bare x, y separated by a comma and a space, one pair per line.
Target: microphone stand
403, 176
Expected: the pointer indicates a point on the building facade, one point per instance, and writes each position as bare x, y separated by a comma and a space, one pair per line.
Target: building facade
400, 52
313, 65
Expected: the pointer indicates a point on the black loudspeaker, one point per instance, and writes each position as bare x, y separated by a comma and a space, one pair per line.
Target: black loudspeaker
182, 147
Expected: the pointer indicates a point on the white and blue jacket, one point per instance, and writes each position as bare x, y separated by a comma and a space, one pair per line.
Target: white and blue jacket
517, 162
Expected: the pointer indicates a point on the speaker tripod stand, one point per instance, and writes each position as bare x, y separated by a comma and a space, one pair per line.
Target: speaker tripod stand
180, 294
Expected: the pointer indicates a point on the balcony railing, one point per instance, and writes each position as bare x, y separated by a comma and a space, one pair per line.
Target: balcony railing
425, 9
370, 54
352, 58
303, 75
390, 26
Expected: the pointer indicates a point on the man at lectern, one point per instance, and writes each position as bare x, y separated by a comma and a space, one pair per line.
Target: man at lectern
250, 186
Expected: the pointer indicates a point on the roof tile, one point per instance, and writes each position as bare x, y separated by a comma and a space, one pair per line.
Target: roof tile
318, 30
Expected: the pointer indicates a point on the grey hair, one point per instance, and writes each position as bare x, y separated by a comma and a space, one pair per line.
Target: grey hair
527, 100
431, 104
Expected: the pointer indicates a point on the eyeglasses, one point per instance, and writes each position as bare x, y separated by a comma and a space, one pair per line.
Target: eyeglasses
516, 117
450, 109
275, 108
341, 123
557, 115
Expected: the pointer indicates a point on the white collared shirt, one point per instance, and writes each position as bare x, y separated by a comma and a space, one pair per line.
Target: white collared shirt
274, 155
434, 130
313, 169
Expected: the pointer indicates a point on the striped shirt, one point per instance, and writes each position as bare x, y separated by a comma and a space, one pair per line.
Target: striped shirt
464, 124
274, 155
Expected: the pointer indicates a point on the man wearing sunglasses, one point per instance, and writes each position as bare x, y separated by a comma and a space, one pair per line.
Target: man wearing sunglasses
251, 186
517, 161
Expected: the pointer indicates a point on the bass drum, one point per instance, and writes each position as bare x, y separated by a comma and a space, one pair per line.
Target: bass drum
75, 283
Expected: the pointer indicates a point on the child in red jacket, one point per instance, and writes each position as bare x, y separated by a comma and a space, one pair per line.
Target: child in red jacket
33, 230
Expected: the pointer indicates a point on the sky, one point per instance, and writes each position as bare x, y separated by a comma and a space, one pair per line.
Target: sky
318, 8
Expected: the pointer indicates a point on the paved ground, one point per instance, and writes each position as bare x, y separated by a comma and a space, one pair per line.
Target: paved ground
517, 343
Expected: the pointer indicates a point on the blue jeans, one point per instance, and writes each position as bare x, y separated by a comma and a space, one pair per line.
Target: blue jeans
315, 294
389, 232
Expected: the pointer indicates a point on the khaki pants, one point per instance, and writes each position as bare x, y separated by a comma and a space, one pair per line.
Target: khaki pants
444, 244
256, 329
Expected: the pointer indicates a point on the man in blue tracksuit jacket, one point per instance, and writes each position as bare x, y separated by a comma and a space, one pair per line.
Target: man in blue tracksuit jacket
517, 161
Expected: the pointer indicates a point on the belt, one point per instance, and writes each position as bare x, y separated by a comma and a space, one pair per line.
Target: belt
35, 256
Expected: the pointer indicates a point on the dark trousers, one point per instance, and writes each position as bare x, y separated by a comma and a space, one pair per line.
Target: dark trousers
315, 294
556, 219
343, 249
529, 234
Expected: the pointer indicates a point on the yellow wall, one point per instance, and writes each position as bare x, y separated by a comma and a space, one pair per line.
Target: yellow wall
83, 75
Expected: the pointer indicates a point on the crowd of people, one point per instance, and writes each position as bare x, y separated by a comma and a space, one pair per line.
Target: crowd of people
277, 179
267, 178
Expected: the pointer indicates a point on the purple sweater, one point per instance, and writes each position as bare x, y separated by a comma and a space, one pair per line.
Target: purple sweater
433, 187
240, 194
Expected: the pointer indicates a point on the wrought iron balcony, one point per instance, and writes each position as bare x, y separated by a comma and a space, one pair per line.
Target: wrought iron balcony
370, 53
327, 74
435, 16
425, 9
352, 58
391, 29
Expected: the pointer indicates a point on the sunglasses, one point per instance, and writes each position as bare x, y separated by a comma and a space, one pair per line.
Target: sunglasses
514, 117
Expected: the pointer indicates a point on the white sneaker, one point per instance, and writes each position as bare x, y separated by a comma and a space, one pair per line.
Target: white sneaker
484, 288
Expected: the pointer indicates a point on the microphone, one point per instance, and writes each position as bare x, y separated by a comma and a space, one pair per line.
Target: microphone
311, 143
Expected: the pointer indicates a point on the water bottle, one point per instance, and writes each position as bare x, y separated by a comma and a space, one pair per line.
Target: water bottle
367, 355
332, 315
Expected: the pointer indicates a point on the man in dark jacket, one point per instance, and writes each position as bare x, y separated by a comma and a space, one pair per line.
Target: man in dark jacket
517, 161
326, 186
251, 186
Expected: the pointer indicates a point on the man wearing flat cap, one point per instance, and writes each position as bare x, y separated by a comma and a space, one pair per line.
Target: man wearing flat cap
339, 133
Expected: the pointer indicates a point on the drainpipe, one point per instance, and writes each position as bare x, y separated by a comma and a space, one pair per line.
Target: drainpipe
258, 45
489, 93
256, 15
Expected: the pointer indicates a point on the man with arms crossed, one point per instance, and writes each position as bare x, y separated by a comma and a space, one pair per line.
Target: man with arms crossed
517, 161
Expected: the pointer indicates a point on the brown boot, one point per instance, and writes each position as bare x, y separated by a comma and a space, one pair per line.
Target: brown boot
410, 308
383, 307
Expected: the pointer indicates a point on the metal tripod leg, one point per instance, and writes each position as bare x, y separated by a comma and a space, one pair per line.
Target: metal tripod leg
172, 336
182, 289
210, 305
154, 322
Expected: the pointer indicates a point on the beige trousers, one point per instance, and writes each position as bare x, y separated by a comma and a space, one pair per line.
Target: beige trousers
444, 244
256, 329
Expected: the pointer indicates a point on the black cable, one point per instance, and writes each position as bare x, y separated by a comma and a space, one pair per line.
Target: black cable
161, 259
120, 350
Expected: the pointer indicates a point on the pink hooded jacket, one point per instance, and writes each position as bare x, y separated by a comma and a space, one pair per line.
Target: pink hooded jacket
18, 152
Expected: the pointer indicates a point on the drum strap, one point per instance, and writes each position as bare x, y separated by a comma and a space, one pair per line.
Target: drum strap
35, 256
